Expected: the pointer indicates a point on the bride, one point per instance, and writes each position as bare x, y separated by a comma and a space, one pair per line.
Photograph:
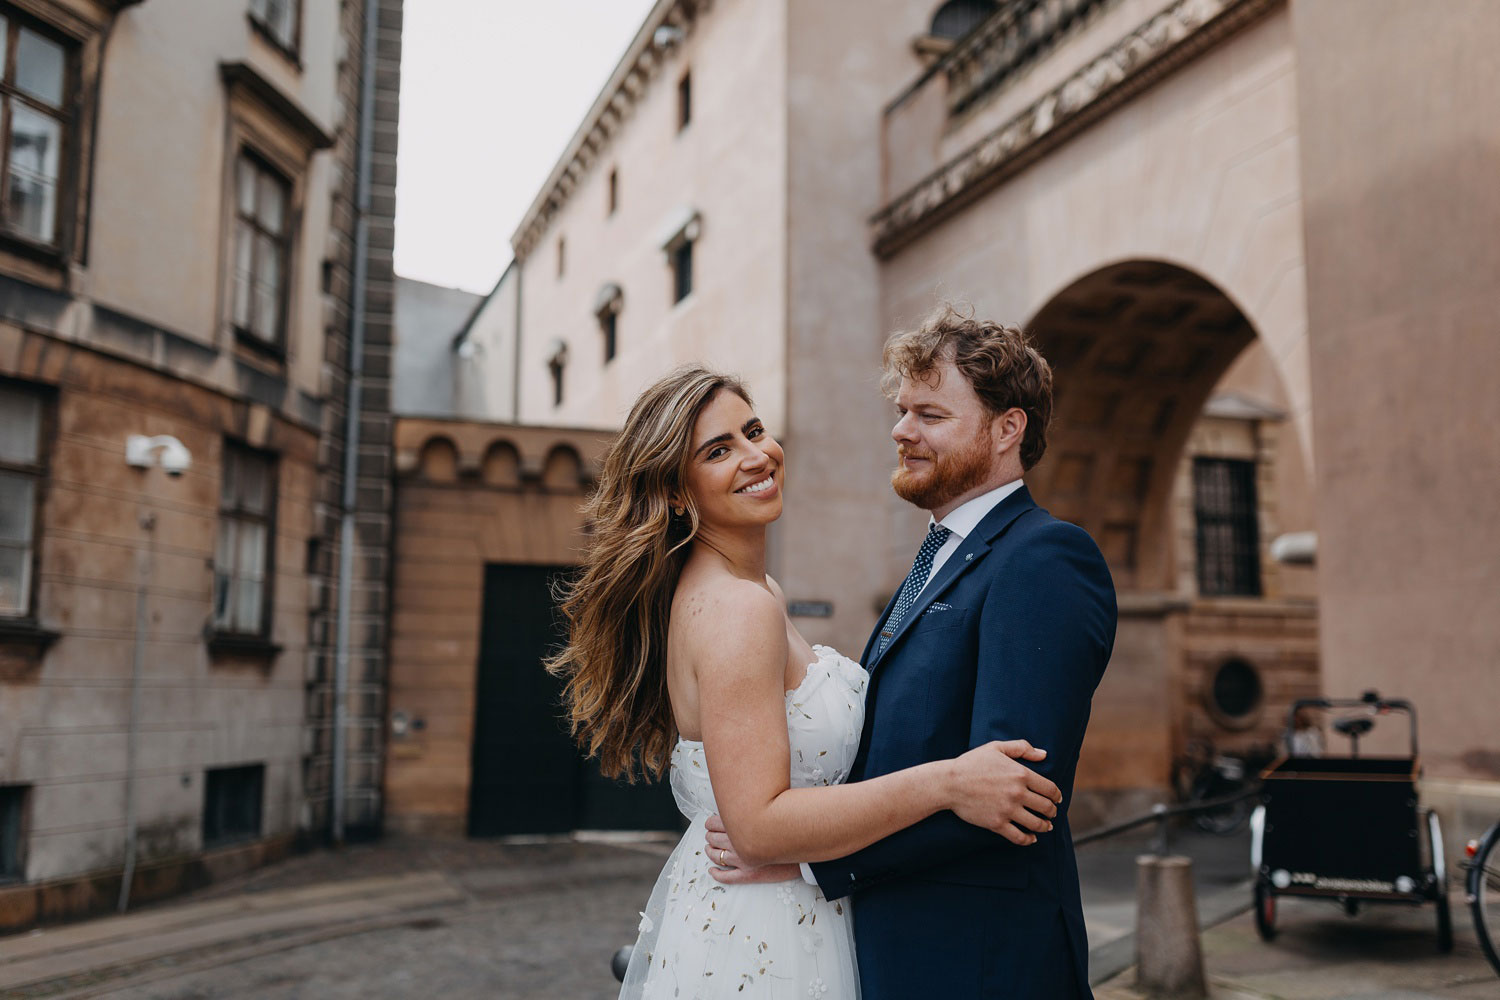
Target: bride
681, 657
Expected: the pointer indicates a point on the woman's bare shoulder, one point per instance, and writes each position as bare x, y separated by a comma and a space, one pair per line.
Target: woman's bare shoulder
713, 612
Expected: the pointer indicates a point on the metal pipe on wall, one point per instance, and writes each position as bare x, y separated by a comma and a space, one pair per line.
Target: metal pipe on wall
363, 156
144, 557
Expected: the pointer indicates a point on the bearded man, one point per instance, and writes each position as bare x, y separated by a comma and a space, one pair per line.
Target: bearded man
1000, 632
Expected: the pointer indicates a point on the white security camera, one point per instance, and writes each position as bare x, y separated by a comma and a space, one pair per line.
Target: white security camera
174, 458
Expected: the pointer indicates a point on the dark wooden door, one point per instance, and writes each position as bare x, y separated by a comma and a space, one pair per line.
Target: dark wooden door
527, 775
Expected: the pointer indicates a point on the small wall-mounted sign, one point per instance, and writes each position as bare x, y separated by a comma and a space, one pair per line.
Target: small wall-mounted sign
810, 609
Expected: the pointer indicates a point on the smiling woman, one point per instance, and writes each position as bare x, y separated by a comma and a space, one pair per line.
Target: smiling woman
643, 517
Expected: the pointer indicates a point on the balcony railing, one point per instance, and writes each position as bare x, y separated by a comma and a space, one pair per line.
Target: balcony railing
1016, 35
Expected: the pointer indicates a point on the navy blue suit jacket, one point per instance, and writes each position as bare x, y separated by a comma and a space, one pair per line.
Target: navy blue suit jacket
1008, 641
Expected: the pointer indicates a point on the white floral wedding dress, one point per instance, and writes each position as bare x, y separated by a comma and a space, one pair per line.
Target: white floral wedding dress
700, 940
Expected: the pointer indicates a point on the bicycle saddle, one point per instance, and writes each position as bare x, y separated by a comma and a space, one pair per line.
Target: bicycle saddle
1354, 725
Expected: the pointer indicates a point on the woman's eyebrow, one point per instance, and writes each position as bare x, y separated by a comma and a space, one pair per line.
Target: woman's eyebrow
716, 439
726, 436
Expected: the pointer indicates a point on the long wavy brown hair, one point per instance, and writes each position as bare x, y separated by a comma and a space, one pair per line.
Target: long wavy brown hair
619, 606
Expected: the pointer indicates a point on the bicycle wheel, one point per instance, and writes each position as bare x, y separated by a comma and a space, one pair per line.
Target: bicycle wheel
1484, 895
1225, 820
1265, 910
1439, 882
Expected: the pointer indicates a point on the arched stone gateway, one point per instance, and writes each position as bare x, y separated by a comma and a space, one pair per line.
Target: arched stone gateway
1139, 349
1136, 348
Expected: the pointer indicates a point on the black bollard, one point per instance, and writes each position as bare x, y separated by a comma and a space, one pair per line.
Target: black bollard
620, 963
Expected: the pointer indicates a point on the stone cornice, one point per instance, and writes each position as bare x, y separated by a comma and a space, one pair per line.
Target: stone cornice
1153, 50
626, 86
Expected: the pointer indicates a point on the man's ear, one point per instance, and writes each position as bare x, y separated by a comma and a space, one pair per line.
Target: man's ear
1008, 429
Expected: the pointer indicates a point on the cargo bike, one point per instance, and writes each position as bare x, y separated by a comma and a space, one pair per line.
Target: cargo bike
1347, 829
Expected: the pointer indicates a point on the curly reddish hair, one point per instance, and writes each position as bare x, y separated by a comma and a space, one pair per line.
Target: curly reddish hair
998, 360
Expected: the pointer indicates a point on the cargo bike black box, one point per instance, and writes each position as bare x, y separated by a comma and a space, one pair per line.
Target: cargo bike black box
1348, 828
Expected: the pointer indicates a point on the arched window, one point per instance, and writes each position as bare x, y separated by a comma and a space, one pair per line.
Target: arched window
607, 306
957, 18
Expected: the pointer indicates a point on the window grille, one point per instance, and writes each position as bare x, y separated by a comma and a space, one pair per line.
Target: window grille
1228, 538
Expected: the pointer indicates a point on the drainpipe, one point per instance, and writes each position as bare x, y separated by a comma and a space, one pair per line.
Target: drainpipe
351, 426
515, 368
144, 558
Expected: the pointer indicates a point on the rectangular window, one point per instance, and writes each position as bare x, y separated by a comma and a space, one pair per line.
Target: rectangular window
247, 525
562, 249
556, 368
35, 78
1224, 506
684, 101
682, 270
12, 811
614, 190
21, 474
277, 19
232, 799
261, 246
607, 323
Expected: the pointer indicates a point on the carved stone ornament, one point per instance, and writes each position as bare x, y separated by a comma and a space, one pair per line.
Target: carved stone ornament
1150, 52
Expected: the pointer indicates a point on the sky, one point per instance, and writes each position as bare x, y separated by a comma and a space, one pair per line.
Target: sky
491, 92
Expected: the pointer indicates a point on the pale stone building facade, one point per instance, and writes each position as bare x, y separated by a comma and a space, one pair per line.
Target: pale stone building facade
772, 188
196, 246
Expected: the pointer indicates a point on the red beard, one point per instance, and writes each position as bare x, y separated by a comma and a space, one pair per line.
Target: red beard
949, 477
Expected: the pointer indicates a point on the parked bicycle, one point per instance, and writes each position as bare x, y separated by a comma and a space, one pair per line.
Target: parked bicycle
1203, 774
1483, 891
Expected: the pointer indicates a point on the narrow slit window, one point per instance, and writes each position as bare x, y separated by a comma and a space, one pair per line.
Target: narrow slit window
682, 271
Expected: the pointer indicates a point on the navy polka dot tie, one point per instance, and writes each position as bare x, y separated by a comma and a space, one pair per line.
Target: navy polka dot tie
915, 581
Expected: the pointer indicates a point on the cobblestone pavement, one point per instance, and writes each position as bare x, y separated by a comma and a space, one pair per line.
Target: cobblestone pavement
519, 921
1385, 953
505, 941
469, 919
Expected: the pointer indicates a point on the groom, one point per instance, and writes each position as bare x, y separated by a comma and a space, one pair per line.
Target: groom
1001, 631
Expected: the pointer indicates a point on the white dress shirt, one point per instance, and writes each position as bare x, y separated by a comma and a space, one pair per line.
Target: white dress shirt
961, 521
964, 518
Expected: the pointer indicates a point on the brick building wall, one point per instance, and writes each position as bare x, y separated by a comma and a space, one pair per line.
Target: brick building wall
368, 639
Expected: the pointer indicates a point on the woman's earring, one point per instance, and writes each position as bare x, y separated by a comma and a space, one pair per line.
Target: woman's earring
679, 511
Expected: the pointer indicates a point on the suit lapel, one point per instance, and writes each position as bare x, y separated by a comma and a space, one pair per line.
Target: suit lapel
973, 550
870, 643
